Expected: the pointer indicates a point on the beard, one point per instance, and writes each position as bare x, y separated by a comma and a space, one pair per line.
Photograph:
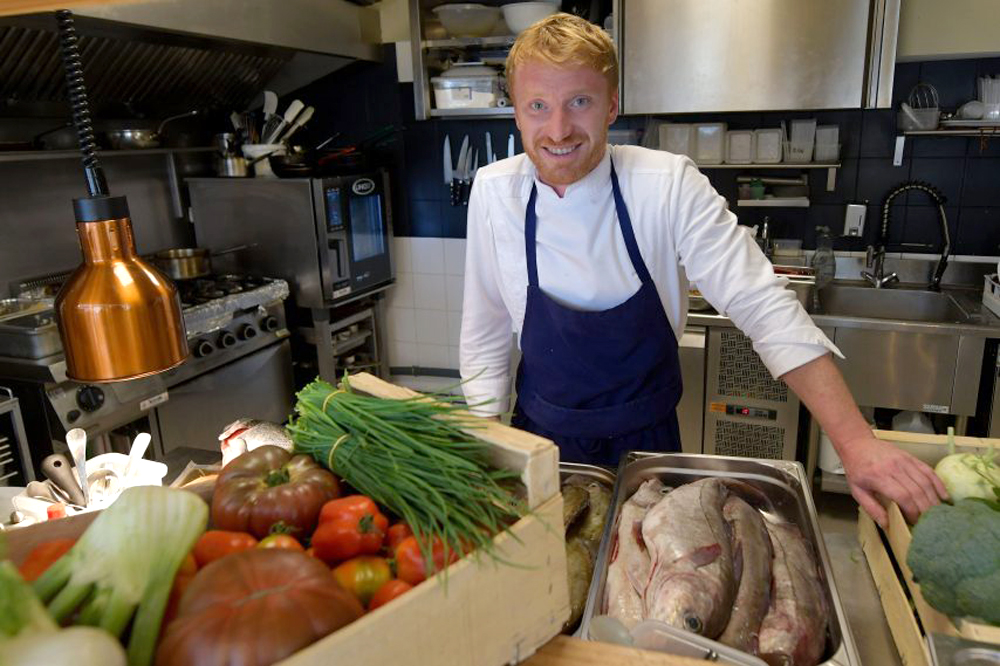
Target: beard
555, 171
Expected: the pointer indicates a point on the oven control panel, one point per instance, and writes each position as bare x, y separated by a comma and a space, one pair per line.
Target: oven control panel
745, 411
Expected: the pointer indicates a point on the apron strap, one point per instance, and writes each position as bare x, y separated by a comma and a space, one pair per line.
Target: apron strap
530, 225
625, 222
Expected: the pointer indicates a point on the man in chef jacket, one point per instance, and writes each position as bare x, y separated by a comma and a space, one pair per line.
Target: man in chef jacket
586, 251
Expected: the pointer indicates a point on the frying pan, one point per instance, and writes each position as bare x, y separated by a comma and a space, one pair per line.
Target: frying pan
131, 138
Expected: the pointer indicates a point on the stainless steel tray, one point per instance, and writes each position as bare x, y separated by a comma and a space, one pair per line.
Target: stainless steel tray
783, 482
33, 335
602, 474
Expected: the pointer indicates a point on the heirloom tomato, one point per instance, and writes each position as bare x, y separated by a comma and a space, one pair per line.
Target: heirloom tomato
254, 608
268, 486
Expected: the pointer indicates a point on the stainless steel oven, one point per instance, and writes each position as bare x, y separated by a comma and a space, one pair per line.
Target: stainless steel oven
330, 238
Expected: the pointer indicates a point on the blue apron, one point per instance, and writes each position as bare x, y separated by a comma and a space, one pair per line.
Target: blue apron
598, 383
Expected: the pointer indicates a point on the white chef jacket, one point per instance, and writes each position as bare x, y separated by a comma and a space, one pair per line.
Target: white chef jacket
684, 230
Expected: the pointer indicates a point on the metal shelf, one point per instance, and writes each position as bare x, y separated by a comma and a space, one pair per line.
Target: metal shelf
464, 42
35, 155
490, 112
776, 202
780, 165
972, 131
833, 483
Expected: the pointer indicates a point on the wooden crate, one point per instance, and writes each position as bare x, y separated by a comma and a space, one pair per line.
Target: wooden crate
482, 613
909, 625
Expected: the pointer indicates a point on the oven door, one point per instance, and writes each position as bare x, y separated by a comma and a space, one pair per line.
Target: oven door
362, 236
256, 386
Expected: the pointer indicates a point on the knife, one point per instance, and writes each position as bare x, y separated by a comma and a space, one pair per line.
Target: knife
470, 174
447, 160
489, 149
461, 168
510, 145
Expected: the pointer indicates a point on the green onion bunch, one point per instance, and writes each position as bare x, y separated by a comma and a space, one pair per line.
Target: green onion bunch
412, 457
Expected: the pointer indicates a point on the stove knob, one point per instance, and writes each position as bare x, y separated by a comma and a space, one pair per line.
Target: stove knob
227, 340
246, 332
203, 348
90, 398
269, 324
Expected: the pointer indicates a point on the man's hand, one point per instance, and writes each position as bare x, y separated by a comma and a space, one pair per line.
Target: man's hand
877, 471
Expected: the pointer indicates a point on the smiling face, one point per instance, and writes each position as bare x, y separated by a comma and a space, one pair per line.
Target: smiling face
563, 113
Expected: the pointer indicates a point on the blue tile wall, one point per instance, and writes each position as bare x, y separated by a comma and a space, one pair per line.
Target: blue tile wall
361, 98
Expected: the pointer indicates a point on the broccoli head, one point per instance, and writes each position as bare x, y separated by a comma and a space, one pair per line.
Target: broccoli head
955, 558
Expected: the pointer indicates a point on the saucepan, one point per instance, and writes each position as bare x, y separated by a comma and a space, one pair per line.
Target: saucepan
185, 263
130, 138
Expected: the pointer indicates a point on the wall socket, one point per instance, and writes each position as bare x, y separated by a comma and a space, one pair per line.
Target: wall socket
854, 220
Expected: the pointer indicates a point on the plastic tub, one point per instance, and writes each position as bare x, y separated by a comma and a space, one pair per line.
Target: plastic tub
522, 15
677, 138
739, 147
710, 143
467, 19
467, 87
767, 146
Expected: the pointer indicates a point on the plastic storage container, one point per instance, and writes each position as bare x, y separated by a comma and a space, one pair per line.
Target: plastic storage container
467, 86
710, 143
827, 143
677, 138
767, 146
739, 146
801, 141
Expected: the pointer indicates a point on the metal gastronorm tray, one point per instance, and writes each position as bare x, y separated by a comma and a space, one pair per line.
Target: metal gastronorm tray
784, 483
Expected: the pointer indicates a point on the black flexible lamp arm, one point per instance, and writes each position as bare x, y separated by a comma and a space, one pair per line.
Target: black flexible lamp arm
97, 185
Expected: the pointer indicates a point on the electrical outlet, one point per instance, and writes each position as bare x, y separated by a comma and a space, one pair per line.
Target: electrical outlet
854, 220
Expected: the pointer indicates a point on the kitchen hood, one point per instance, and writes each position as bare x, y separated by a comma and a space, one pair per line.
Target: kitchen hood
157, 56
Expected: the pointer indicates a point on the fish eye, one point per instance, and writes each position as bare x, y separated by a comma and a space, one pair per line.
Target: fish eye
693, 623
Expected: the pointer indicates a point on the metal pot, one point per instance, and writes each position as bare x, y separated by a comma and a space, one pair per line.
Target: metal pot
185, 263
131, 138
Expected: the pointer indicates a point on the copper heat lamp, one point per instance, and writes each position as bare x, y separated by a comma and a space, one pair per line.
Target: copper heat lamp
119, 318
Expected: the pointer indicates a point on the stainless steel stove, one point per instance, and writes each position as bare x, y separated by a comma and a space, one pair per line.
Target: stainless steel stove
240, 365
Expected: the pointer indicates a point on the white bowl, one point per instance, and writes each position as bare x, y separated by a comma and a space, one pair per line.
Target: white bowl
467, 19
521, 15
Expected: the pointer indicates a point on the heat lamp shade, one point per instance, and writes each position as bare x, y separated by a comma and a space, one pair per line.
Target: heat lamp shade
119, 318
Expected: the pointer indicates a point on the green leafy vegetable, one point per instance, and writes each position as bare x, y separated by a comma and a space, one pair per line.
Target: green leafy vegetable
968, 475
412, 457
30, 637
120, 572
955, 557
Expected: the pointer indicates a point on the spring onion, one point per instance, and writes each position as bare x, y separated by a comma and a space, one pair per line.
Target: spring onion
30, 637
120, 572
412, 457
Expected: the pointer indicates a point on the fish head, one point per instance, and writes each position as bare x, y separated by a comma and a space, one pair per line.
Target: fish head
688, 603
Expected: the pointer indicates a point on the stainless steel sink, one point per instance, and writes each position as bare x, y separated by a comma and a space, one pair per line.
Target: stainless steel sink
890, 304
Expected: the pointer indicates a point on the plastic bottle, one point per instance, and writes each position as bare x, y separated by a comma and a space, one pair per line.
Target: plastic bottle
823, 261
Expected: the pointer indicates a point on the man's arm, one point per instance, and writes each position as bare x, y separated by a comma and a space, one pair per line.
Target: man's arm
484, 347
875, 469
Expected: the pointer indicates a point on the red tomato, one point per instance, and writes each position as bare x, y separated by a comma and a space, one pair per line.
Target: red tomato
340, 540
354, 507
282, 541
363, 576
214, 544
389, 591
43, 556
396, 534
410, 566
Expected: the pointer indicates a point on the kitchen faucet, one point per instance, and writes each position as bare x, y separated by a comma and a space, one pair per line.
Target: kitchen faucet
876, 253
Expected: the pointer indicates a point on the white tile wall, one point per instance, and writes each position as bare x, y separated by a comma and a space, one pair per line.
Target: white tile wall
425, 305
